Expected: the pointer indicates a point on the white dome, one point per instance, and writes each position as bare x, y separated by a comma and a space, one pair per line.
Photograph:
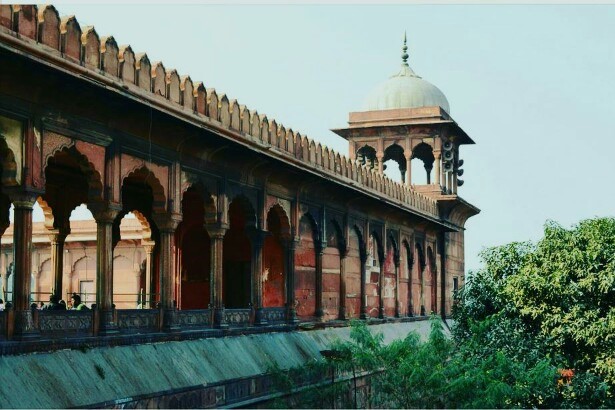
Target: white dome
405, 90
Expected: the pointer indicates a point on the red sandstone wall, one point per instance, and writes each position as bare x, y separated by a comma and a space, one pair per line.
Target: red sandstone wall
273, 273
389, 283
305, 270
331, 282
353, 277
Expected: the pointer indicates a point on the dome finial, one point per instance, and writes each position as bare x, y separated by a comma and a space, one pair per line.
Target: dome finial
404, 55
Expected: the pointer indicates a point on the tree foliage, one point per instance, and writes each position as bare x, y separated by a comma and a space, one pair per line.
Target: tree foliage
535, 327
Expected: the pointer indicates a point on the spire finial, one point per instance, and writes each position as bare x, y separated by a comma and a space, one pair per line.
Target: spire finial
404, 55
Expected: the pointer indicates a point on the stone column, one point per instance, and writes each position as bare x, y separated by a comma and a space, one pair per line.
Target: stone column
437, 177
148, 298
363, 309
166, 227
342, 303
319, 310
397, 307
258, 239
381, 313
22, 248
105, 216
380, 157
291, 245
216, 290
56, 239
408, 168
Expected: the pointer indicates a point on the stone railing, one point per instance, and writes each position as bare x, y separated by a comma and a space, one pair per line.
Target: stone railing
65, 322
194, 318
138, 319
63, 40
238, 317
274, 315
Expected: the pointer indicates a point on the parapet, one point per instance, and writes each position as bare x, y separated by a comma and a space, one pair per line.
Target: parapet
101, 57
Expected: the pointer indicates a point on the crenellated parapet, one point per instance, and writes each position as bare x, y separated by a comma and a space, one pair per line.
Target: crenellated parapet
64, 42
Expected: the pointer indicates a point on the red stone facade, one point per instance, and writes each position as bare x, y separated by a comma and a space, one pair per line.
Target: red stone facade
244, 222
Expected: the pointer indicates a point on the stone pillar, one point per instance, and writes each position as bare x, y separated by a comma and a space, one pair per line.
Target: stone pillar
408, 168
319, 310
258, 239
216, 290
381, 313
148, 297
105, 216
342, 304
56, 239
22, 248
166, 227
380, 157
291, 245
437, 177
363, 309
397, 307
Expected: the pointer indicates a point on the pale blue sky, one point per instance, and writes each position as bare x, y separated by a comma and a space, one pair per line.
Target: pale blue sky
532, 85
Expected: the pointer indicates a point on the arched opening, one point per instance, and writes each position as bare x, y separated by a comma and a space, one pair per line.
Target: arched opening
237, 255
431, 282
366, 156
374, 260
331, 271
390, 281
395, 163
83, 277
305, 268
405, 287
135, 237
70, 183
418, 295
194, 251
274, 258
422, 164
354, 260
80, 244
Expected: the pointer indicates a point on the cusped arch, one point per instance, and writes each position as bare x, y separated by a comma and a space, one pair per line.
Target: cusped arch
145, 175
209, 203
424, 152
247, 208
380, 248
339, 235
145, 224
93, 177
313, 224
8, 165
282, 217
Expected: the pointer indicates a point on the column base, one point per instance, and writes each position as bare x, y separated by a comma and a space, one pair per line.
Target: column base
342, 314
320, 316
423, 313
397, 310
292, 316
259, 320
381, 313
170, 320
219, 318
25, 327
107, 325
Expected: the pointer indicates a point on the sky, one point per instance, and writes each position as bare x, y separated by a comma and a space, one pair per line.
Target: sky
534, 86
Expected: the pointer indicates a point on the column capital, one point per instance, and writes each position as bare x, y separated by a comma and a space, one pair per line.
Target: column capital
57, 235
217, 230
104, 212
23, 200
148, 245
167, 222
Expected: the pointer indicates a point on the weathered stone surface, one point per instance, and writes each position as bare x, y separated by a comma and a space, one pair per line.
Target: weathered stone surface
77, 378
